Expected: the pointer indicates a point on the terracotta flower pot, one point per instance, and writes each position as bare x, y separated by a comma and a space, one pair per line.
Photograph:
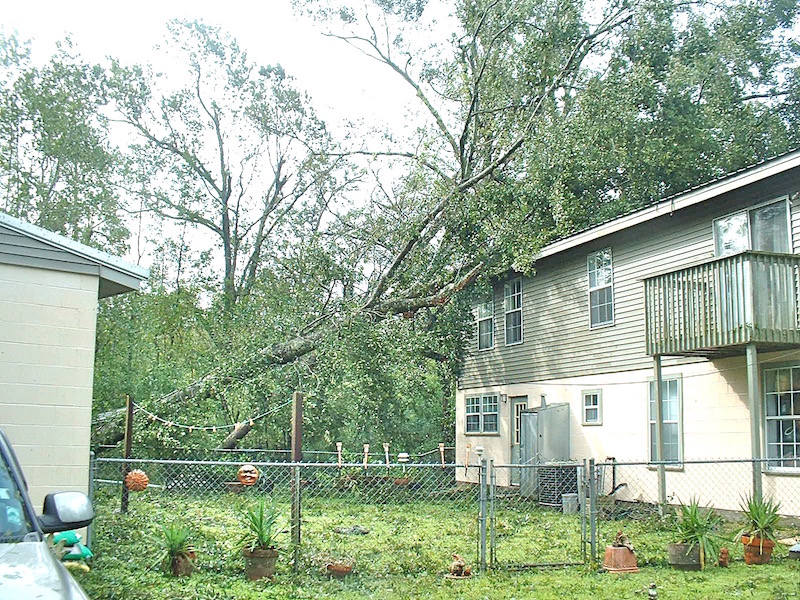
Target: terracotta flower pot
235, 487
757, 551
259, 563
338, 570
619, 559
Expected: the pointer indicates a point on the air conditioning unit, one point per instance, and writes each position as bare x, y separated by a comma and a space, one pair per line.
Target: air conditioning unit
555, 480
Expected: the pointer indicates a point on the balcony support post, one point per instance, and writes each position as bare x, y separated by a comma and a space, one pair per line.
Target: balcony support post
754, 393
659, 434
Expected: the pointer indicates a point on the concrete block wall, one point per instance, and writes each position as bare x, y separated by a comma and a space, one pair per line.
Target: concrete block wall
47, 341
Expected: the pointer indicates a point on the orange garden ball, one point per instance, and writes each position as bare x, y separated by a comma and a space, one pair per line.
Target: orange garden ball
136, 480
247, 475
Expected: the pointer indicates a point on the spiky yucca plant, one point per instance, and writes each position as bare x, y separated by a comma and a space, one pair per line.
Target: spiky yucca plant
697, 526
761, 518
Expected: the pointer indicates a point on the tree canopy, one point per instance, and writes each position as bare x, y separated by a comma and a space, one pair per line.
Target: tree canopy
289, 257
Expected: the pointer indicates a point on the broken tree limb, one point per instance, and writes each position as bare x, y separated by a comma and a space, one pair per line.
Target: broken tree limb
241, 430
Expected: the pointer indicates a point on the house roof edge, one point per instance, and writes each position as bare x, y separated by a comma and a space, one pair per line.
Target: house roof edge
706, 191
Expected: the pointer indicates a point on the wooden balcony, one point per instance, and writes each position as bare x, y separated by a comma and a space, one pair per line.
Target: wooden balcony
719, 306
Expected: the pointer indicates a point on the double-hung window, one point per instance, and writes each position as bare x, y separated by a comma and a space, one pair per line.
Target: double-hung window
764, 228
782, 417
512, 300
592, 407
482, 414
672, 415
485, 318
601, 289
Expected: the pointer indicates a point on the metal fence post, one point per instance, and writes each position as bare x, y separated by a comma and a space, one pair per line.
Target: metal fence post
126, 451
582, 489
483, 514
593, 509
295, 526
492, 493
92, 475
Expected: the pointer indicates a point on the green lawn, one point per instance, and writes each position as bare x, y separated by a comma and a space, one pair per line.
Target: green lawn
405, 554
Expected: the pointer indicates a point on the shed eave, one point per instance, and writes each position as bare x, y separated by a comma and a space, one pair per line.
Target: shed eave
116, 275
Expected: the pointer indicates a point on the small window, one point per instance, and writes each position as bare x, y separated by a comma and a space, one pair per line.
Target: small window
482, 414
673, 417
474, 415
512, 300
485, 319
764, 228
601, 291
592, 407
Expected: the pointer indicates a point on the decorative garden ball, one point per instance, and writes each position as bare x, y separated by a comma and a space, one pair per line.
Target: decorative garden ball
136, 480
247, 475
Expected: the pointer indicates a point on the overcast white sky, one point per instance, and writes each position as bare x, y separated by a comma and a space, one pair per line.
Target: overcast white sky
343, 83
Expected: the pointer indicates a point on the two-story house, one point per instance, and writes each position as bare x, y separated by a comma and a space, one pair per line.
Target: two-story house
696, 295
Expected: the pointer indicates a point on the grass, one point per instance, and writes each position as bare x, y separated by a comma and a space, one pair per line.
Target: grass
404, 555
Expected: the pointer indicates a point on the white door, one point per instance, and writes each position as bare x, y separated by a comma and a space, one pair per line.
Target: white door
518, 404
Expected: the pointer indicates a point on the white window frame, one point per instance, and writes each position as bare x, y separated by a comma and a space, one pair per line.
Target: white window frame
598, 394
651, 418
782, 463
596, 288
512, 303
485, 312
747, 211
482, 406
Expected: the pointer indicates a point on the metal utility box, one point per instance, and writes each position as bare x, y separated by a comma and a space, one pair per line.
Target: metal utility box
544, 438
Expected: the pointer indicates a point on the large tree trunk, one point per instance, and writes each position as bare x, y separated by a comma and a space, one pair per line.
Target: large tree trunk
230, 442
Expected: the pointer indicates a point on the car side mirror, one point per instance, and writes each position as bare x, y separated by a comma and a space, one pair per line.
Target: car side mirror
65, 510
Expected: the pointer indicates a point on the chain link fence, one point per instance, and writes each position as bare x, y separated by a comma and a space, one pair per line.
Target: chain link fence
626, 487
435, 456
411, 518
396, 518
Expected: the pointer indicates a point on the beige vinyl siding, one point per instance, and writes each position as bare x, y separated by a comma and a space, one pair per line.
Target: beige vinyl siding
558, 341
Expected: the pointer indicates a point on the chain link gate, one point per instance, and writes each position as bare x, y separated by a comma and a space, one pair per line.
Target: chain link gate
555, 502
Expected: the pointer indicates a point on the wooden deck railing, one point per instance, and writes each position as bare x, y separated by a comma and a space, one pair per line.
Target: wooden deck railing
750, 297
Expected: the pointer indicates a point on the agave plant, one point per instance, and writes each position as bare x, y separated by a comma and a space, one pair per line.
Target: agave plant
761, 518
698, 526
262, 526
177, 545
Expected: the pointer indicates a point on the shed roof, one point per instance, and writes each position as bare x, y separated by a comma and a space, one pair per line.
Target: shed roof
25, 244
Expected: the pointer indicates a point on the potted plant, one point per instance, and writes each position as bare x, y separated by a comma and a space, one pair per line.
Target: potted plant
179, 553
259, 543
620, 556
696, 537
758, 534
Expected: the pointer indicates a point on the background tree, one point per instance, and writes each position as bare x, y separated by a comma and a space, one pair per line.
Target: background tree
540, 118
57, 166
234, 150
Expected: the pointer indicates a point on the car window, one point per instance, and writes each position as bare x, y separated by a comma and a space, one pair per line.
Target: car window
14, 523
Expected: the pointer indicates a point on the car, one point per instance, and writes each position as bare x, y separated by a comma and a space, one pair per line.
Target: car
28, 568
